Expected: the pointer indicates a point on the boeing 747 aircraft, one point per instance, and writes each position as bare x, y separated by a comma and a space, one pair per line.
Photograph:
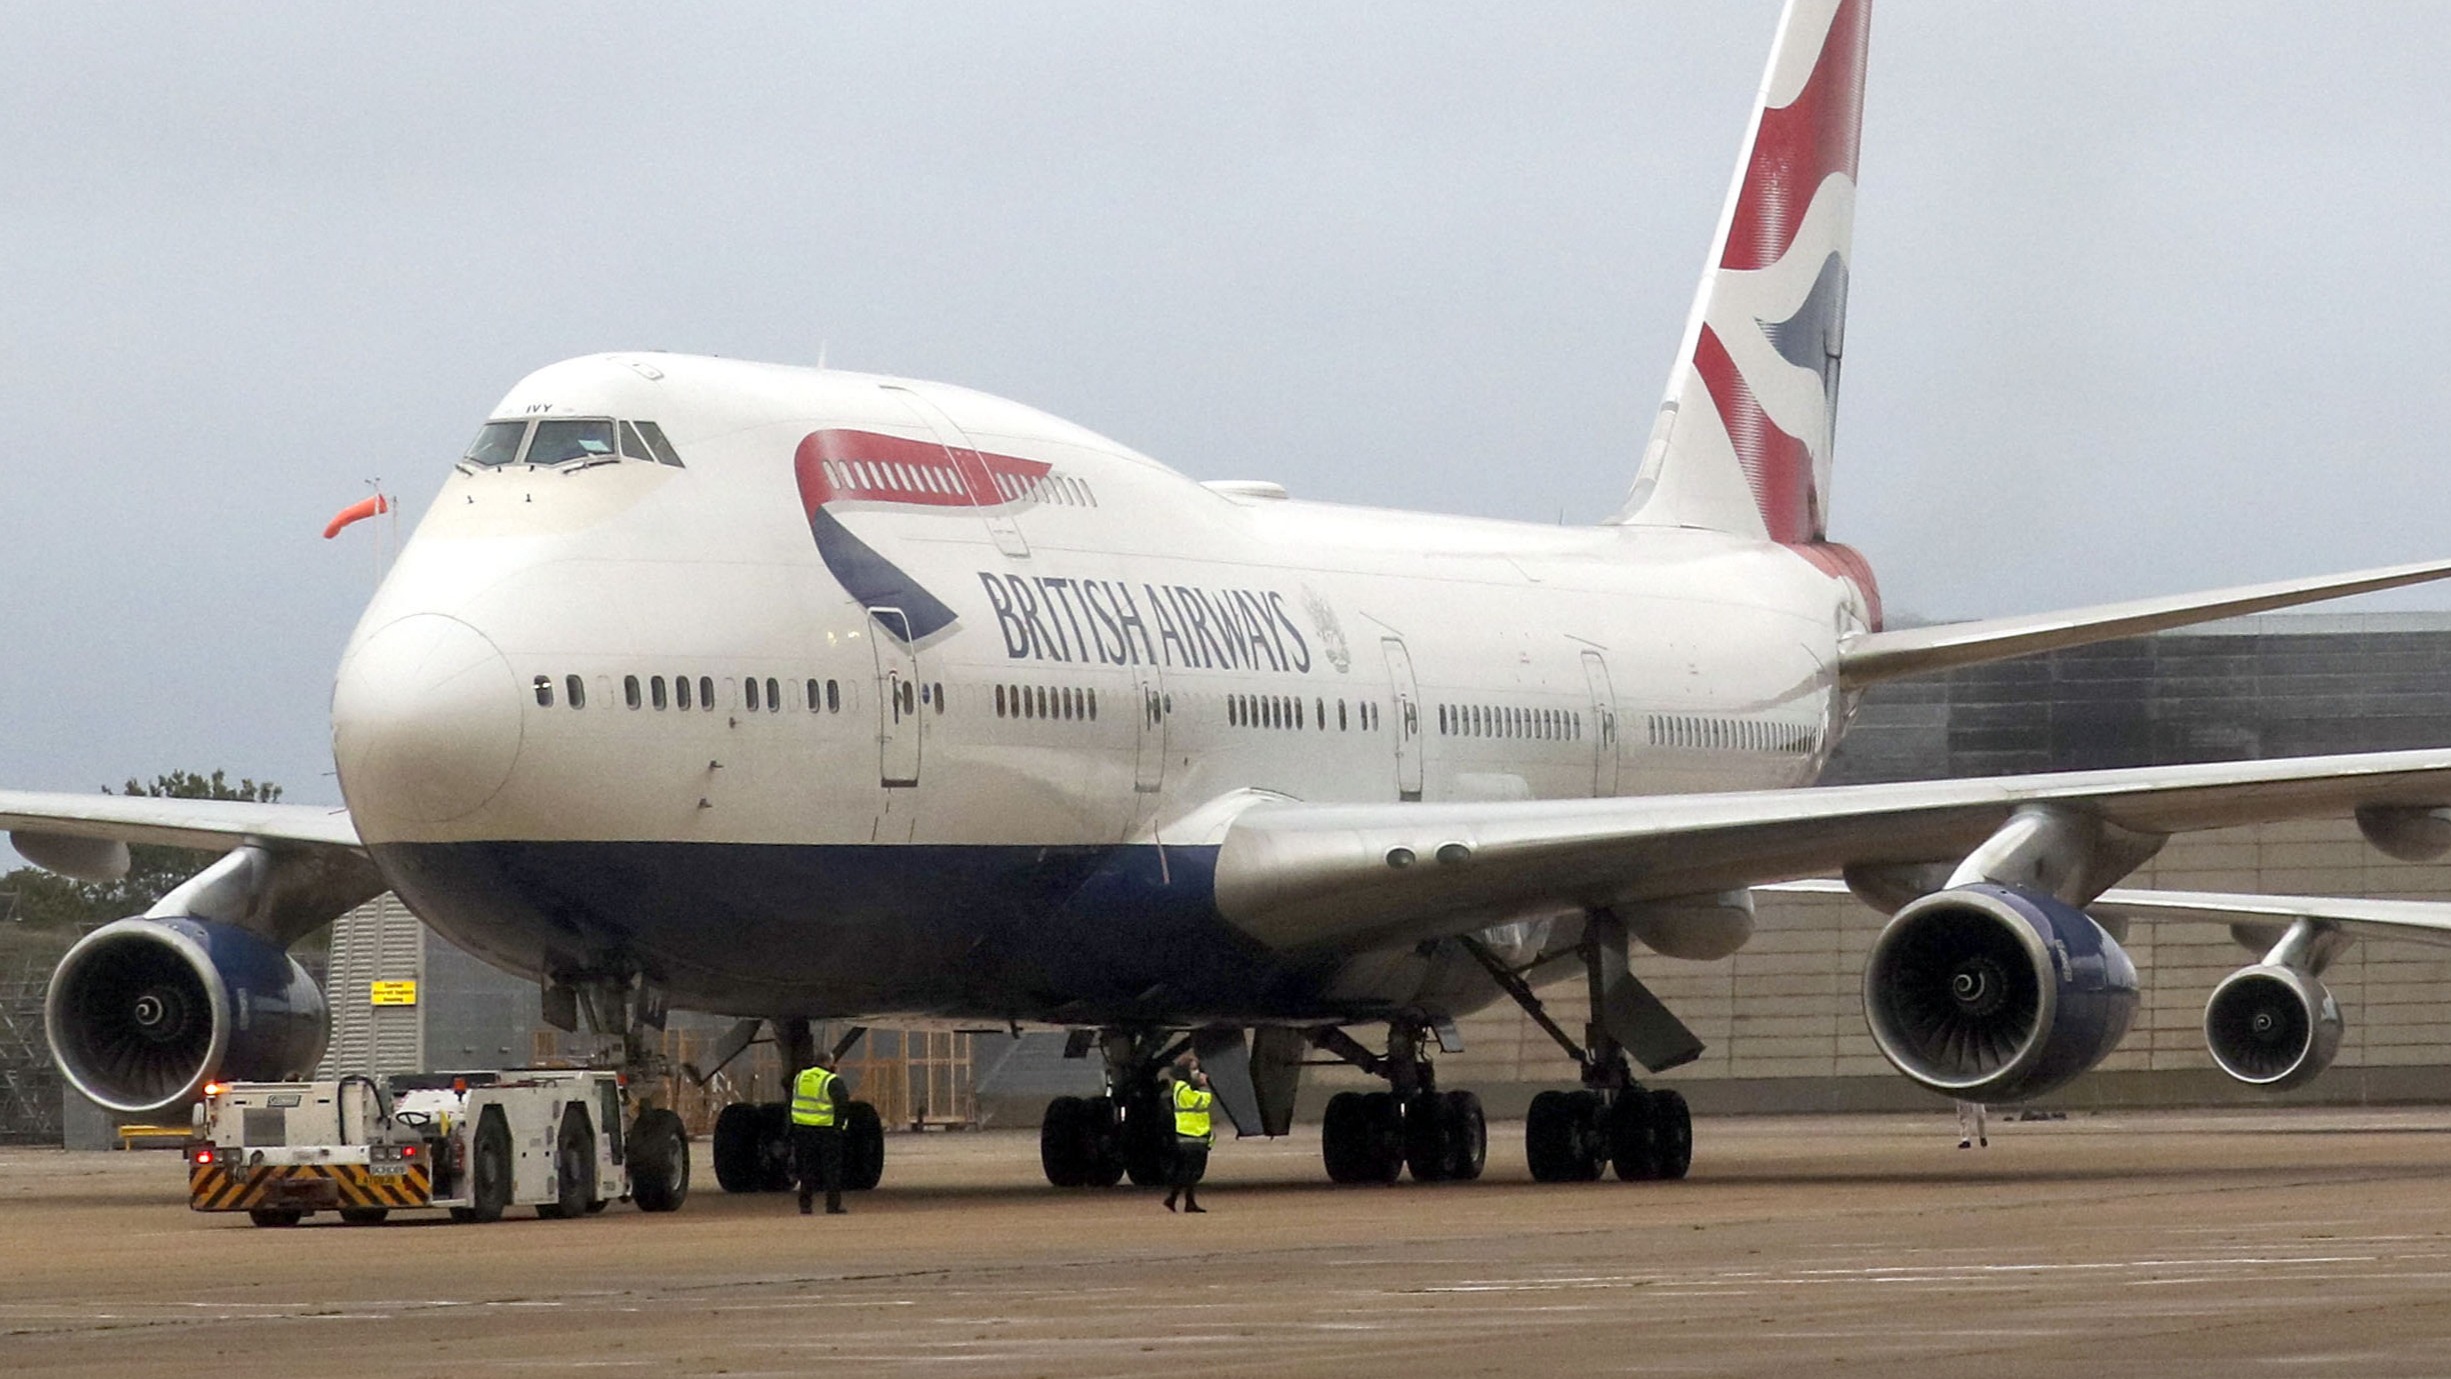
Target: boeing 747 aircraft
794, 694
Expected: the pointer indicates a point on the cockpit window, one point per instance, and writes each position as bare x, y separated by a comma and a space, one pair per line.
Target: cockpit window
561, 442
497, 443
633, 445
664, 453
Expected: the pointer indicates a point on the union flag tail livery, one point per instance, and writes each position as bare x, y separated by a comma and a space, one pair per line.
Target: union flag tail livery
1743, 439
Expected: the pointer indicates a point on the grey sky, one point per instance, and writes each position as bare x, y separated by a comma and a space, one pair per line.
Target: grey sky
2146, 298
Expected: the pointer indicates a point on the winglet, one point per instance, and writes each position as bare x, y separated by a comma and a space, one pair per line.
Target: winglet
1876, 656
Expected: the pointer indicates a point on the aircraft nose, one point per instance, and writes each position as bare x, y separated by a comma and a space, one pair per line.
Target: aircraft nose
425, 722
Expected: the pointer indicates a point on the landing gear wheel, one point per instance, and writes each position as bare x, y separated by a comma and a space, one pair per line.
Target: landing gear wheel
659, 1161
275, 1216
776, 1171
1633, 1148
1467, 1132
490, 1172
1076, 1143
739, 1157
1363, 1139
363, 1216
863, 1135
1672, 1134
1428, 1131
574, 1168
1147, 1136
1562, 1137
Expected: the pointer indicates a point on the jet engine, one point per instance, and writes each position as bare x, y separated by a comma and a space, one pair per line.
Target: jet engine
1993, 993
2272, 1026
143, 1012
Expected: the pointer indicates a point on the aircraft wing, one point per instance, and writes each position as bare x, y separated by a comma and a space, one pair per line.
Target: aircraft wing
1301, 876
1875, 656
213, 825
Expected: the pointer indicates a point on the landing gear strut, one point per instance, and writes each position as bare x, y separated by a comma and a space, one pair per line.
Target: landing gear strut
1374, 1137
1614, 1122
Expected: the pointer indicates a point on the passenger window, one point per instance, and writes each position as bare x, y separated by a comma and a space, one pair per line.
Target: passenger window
774, 696
748, 688
559, 441
629, 689
1093, 706
834, 699
680, 691
544, 691
664, 453
497, 444
655, 691
815, 700
940, 696
578, 691
1340, 715
706, 693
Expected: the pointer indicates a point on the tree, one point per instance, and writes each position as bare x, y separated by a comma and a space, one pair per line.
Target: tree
47, 899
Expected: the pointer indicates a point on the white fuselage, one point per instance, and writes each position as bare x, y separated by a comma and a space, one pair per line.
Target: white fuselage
1231, 645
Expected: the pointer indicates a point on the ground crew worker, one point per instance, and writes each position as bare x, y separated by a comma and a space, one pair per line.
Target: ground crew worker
1970, 1125
817, 1133
1193, 1132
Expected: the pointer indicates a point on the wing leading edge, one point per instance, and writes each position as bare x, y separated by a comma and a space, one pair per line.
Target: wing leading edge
1298, 876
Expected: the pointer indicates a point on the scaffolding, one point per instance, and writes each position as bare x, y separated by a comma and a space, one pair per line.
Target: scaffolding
30, 1087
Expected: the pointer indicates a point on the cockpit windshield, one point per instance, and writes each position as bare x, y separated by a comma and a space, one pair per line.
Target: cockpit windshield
569, 442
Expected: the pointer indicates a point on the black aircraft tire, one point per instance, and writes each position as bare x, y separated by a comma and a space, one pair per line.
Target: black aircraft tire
1147, 1136
863, 1135
1633, 1137
1101, 1148
1059, 1143
1429, 1138
1591, 1135
1548, 1138
776, 1171
659, 1161
1384, 1138
489, 1173
738, 1157
1467, 1135
1340, 1134
1672, 1129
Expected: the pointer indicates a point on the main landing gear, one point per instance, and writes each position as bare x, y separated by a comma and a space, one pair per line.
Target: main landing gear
1099, 1141
1375, 1137
753, 1151
1613, 1122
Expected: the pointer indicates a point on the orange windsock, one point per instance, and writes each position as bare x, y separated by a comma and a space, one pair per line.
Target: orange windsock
358, 511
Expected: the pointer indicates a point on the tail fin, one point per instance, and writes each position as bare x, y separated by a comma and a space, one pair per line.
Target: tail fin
1743, 438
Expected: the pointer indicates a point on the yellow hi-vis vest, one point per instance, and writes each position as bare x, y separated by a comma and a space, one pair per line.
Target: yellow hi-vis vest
1191, 1120
812, 1097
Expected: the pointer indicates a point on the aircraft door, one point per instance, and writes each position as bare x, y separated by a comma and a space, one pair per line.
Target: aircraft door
1405, 717
1603, 726
965, 456
898, 693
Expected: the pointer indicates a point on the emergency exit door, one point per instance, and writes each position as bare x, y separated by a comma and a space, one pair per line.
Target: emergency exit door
898, 719
1405, 717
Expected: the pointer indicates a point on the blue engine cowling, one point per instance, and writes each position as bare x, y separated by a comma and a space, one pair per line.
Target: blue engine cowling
142, 1013
1991, 993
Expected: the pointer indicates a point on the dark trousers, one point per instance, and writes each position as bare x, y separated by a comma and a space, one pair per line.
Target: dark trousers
817, 1153
1186, 1168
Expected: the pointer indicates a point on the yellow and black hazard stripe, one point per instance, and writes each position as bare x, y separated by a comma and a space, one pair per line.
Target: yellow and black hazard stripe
239, 1187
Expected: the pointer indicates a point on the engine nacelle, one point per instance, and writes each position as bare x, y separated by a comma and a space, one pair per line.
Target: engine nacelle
1991, 993
2272, 1026
143, 1012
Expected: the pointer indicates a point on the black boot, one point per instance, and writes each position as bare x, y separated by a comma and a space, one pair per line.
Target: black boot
1170, 1201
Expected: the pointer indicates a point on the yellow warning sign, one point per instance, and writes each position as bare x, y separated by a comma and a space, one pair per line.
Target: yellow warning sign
394, 993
